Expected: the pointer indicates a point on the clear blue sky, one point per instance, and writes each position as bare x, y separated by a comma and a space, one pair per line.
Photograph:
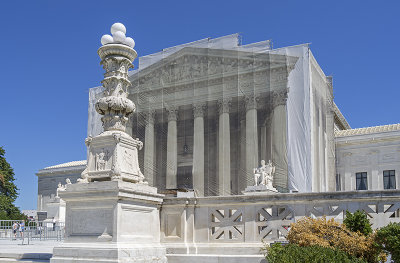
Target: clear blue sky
49, 61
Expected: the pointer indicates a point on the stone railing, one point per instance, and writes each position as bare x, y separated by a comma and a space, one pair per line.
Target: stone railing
204, 225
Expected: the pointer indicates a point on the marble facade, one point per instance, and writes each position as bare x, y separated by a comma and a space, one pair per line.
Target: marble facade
208, 115
48, 180
213, 114
371, 150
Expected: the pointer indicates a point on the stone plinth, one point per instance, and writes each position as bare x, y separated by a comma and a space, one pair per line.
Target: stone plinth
259, 189
111, 221
113, 155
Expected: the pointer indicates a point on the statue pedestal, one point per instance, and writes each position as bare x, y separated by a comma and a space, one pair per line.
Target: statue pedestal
259, 189
111, 221
113, 155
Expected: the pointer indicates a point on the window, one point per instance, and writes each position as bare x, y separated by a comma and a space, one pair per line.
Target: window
338, 183
361, 181
389, 179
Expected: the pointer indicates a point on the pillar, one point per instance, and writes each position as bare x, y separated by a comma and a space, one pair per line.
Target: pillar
321, 149
149, 156
331, 148
224, 148
198, 149
251, 138
242, 182
172, 148
279, 140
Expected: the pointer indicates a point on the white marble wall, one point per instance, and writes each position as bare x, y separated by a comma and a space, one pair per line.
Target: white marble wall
47, 191
371, 153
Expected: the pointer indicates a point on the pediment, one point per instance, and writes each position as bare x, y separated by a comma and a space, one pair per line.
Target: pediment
190, 65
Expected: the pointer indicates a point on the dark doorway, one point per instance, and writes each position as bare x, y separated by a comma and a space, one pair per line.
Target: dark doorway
185, 177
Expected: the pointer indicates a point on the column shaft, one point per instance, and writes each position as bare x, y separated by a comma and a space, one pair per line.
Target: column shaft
198, 150
321, 144
149, 156
172, 149
279, 140
251, 138
242, 181
224, 149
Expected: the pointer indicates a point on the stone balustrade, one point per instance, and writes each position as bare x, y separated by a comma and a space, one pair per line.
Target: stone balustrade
239, 223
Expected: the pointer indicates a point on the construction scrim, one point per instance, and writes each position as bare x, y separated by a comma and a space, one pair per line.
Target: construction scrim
209, 111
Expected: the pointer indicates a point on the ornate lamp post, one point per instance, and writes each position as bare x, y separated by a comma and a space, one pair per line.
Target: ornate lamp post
113, 155
111, 215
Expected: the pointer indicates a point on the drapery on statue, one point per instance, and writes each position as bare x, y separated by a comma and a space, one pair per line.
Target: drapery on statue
264, 175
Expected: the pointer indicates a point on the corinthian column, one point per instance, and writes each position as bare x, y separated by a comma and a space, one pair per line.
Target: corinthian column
149, 157
172, 148
251, 137
279, 140
198, 149
224, 148
242, 179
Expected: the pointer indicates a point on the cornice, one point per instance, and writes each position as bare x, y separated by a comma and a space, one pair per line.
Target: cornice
340, 119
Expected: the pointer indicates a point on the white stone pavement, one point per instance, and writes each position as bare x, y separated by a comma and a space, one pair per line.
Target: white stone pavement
35, 251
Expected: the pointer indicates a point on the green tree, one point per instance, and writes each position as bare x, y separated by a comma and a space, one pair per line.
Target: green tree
388, 238
8, 190
358, 222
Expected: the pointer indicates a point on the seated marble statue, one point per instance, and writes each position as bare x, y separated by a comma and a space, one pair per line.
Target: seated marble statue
268, 177
258, 174
264, 175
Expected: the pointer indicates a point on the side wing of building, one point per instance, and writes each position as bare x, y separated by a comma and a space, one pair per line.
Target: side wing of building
368, 158
48, 180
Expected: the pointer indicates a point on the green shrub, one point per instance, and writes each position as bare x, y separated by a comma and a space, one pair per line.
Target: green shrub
358, 222
331, 234
292, 253
388, 238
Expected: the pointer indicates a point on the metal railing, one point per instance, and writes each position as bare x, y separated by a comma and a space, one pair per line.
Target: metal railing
33, 230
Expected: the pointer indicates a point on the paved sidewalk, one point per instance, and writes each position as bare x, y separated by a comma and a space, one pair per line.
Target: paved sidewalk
37, 251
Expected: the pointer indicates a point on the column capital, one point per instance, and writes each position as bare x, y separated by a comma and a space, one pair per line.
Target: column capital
251, 101
198, 109
172, 113
224, 105
150, 116
279, 97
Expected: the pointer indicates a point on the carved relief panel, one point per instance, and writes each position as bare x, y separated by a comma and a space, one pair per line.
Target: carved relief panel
100, 159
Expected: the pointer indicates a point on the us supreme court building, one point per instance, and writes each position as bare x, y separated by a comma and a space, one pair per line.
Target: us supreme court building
209, 111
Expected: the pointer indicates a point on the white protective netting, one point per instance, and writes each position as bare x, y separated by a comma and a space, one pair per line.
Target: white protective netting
209, 111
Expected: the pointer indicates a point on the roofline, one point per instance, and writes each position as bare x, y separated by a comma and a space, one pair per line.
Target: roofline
340, 118
62, 169
358, 132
